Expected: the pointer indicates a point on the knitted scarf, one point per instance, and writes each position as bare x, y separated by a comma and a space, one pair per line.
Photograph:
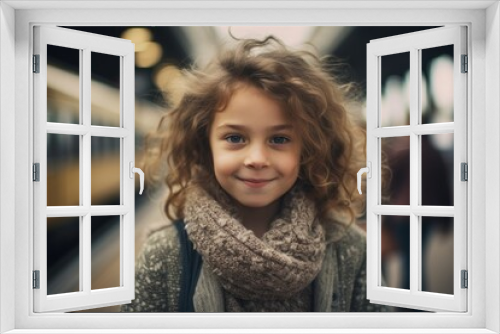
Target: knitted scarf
278, 267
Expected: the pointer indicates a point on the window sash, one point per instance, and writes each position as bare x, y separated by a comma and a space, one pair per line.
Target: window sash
413, 43
86, 297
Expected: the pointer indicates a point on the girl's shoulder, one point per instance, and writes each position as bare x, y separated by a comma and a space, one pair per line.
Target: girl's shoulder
349, 242
158, 272
354, 235
353, 244
162, 242
345, 233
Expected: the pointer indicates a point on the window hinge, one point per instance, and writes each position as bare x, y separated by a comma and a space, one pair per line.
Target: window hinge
36, 63
465, 64
36, 279
464, 171
465, 279
36, 172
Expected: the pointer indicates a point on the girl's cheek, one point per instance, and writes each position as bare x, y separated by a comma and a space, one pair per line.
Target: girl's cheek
225, 159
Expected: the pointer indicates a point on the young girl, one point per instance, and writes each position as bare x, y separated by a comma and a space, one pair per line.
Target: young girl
261, 160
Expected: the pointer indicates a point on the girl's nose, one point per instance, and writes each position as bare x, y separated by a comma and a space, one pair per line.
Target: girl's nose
256, 157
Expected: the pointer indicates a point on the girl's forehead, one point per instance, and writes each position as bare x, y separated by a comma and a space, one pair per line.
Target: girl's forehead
252, 105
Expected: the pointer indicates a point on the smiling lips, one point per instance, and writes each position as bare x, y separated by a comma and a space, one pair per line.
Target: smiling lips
255, 183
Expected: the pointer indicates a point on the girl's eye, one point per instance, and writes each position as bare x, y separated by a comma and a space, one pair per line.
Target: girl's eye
234, 139
280, 140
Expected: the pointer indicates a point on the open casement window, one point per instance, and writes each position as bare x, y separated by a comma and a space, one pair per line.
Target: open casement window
407, 127
67, 208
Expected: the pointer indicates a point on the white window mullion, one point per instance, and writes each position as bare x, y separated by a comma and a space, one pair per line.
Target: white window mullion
86, 256
80, 131
123, 166
127, 240
104, 131
373, 271
67, 129
109, 210
393, 131
80, 211
434, 211
81, 251
415, 170
86, 238
406, 210
392, 210
122, 258
433, 129
427, 129
76, 129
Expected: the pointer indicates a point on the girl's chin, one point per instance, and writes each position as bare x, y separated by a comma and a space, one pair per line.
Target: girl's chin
255, 204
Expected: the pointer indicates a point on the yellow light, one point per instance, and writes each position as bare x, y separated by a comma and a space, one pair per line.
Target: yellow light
170, 80
166, 74
137, 35
150, 54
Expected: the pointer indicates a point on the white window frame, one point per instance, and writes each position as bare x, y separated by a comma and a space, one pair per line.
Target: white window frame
123, 51
413, 44
16, 21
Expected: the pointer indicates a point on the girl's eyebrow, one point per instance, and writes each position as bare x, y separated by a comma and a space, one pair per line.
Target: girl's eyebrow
242, 127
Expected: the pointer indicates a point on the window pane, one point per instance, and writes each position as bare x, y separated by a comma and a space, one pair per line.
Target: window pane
63, 255
63, 170
105, 252
395, 99
395, 252
437, 169
437, 85
396, 187
105, 171
437, 254
105, 90
63, 84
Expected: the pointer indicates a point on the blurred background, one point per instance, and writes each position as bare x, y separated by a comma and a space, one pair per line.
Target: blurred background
160, 54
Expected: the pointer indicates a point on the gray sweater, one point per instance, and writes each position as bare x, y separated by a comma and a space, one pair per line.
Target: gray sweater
339, 287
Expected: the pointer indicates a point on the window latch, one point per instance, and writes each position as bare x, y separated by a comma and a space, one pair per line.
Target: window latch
133, 170
368, 171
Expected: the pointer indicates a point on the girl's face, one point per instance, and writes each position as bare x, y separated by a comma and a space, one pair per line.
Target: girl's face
255, 151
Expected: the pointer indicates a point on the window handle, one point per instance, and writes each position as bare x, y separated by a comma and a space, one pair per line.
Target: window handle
368, 171
133, 170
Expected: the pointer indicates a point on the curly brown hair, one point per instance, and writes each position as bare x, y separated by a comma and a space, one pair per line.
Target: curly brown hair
333, 146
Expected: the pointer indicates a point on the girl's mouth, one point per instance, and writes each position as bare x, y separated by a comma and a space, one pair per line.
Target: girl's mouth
255, 183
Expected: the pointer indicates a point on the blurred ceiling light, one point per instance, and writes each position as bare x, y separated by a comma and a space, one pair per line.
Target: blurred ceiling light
169, 80
424, 96
149, 55
147, 52
394, 103
166, 74
291, 35
423, 93
441, 82
443, 141
137, 35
